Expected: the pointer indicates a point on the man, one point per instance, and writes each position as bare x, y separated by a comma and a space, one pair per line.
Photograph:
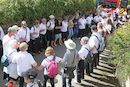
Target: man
24, 61
5, 42
83, 52
94, 43
70, 61
23, 33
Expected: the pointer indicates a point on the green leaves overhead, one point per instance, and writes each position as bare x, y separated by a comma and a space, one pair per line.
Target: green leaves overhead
16, 10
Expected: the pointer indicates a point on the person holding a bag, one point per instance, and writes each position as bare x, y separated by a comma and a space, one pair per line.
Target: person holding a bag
70, 61
50, 66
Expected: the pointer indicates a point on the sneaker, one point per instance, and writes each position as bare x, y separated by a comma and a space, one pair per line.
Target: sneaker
76, 82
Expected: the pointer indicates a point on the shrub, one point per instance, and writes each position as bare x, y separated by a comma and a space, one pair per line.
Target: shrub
119, 44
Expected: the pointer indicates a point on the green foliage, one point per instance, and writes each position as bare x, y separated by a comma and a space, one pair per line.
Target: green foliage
119, 44
16, 10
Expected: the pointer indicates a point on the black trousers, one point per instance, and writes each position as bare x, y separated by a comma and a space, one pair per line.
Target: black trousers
80, 71
35, 45
64, 35
82, 33
1, 50
89, 67
43, 41
95, 60
21, 81
46, 77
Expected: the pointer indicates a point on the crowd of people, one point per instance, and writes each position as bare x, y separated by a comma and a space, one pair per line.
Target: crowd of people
21, 43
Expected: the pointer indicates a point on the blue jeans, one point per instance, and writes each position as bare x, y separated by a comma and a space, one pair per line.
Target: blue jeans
76, 31
65, 81
70, 33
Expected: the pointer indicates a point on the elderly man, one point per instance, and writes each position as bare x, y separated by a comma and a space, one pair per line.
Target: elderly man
83, 53
5, 42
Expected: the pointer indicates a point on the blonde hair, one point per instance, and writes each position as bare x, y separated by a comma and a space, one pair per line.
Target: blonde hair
23, 46
49, 51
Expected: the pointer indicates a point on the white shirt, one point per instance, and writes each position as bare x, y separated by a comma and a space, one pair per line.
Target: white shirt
83, 52
51, 24
32, 85
1, 33
45, 62
12, 68
104, 14
35, 30
24, 61
93, 41
24, 34
43, 27
97, 18
5, 42
89, 19
64, 26
82, 23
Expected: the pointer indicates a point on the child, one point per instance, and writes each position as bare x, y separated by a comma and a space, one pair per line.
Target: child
29, 78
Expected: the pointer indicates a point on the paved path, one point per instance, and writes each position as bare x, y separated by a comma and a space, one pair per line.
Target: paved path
103, 76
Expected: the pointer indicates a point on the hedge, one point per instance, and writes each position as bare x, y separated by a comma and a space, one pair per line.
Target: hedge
119, 44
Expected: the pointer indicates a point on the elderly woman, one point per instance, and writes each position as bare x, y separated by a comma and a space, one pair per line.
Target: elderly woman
50, 56
24, 61
70, 61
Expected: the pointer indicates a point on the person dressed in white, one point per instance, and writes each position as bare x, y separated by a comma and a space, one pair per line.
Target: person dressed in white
64, 29
94, 42
83, 52
24, 61
35, 38
82, 26
89, 19
5, 42
97, 18
50, 31
12, 68
43, 36
24, 33
50, 54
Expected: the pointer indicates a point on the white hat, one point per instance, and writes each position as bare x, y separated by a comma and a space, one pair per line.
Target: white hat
51, 16
70, 44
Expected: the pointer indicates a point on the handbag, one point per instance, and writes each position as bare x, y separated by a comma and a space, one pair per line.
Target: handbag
5, 61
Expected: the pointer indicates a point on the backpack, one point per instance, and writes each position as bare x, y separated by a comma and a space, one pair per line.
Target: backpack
89, 57
52, 68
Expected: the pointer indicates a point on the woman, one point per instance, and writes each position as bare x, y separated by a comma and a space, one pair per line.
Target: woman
70, 61
35, 39
64, 29
50, 31
24, 61
50, 54
70, 27
58, 26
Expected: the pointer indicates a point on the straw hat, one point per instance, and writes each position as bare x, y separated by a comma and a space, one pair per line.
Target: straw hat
70, 44
51, 16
